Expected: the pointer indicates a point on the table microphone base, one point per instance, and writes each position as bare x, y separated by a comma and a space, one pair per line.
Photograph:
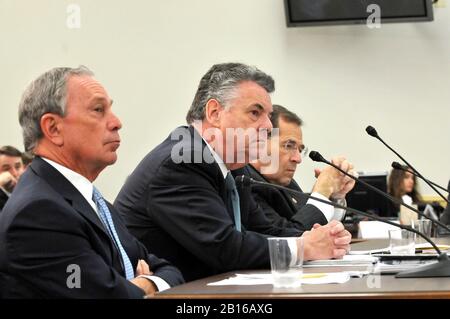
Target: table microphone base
439, 269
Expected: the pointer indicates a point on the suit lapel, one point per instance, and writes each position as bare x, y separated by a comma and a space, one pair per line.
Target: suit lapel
292, 200
215, 169
57, 181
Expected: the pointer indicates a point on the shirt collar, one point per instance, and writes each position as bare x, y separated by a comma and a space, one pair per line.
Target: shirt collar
217, 158
81, 183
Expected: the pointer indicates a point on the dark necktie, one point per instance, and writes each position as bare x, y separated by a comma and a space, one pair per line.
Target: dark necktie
233, 196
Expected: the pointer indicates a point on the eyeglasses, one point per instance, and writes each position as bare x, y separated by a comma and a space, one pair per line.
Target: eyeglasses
293, 147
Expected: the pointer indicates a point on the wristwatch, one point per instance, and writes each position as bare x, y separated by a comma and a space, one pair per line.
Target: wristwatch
342, 202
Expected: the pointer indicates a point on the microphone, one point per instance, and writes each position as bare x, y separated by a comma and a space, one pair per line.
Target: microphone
399, 166
317, 157
373, 132
438, 269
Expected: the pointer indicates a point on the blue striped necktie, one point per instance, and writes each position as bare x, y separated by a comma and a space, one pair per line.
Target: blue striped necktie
105, 216
233, 195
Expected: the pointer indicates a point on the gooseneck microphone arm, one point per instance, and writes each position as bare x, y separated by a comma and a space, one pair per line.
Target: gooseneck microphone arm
317, 157
397, 165
373, 132
439, 269
245, 181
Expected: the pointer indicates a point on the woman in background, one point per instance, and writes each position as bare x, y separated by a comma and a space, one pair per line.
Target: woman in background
403, 186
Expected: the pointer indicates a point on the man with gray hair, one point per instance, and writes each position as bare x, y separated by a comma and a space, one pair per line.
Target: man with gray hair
181, 200
59, 238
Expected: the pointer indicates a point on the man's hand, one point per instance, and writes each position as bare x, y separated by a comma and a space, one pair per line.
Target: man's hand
325, 242
143, 268
145, 284
347, 183
332, 183
7, 181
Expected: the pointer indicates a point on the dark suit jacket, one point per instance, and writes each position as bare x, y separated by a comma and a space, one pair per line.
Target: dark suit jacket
47, 225
282, 208
3, 199
179, 211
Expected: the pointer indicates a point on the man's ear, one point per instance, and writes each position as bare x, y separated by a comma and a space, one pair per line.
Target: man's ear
51, 126
212, 112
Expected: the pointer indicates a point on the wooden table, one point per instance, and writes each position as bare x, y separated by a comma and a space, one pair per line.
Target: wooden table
372, 286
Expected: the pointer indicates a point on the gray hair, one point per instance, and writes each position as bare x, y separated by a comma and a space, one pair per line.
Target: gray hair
220, 83
46, 94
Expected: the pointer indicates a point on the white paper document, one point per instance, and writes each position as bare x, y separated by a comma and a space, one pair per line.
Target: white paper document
347, 260
266, 279
374, 229
426, 248
369, 252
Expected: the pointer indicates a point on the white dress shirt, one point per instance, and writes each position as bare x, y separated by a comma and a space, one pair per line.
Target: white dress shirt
223, 168
85, 187
328, 211
225, 171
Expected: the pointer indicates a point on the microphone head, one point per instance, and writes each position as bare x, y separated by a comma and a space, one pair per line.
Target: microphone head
371, 131
316, 157
243, 180
397, 165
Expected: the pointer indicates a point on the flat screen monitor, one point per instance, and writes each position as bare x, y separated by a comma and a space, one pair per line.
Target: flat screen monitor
333, 12
366, 200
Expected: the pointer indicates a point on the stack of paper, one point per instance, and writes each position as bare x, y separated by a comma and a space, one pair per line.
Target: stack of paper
426, 248
347, 260
266, 279
370, 252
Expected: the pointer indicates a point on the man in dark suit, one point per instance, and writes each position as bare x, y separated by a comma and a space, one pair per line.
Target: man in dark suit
11, 168
284, 208
58, 237
182, 196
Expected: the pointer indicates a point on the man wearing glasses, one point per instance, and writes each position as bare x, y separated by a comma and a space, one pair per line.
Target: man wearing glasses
286, 209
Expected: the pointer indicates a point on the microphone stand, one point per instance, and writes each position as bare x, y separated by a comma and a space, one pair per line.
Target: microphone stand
317, 157
373, 132
438, 269
397, 165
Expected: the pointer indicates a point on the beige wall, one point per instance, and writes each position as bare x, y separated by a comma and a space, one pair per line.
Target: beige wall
150, 56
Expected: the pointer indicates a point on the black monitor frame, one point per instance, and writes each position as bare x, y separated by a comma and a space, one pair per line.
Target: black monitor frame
428, 4
367, 200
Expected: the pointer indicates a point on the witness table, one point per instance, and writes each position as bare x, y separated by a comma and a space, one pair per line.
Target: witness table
371, 286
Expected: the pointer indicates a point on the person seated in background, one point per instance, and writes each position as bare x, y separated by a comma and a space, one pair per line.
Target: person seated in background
183, 199
445, 216
11, 168
59, 238
403, 186
284, 208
